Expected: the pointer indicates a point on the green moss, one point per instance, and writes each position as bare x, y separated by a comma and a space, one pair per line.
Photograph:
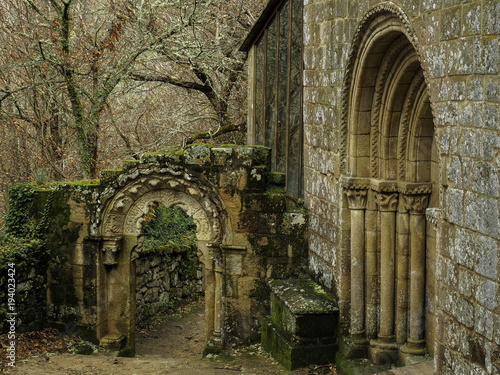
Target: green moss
261, 291
275, 178
274, 189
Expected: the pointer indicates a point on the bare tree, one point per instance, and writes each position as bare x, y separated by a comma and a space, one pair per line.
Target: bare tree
94, 76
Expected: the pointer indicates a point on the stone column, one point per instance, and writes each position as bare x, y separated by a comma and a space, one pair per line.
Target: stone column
214, 296
387, 205
416, 341
372, 272
402, 264
384, 349
357, 203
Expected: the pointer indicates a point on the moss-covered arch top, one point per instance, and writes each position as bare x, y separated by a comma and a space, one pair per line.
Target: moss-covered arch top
122, 213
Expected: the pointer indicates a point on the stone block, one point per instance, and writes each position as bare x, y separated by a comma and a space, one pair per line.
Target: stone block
222, 156
197, 155
302, 328
451, 23
292, 356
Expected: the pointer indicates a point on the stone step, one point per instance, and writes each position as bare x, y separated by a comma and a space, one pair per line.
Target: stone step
423, 368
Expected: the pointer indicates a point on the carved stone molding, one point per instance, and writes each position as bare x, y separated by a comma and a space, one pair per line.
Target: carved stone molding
414, 188
110, 248
432, 215
356, 199
416, 204
387, 202
383, 186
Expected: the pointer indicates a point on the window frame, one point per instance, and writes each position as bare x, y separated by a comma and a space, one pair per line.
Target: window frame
274, 15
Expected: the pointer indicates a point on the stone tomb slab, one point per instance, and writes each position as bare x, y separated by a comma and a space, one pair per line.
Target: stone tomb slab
302, 327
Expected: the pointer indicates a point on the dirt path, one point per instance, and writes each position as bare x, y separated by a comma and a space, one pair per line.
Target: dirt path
173, 347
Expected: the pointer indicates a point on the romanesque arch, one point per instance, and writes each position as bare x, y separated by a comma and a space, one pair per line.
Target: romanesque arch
120, 229
391, 179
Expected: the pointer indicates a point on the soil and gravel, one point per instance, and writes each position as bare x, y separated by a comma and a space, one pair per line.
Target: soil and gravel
168, 344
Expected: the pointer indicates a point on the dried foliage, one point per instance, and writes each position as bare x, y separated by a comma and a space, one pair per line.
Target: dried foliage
85, 84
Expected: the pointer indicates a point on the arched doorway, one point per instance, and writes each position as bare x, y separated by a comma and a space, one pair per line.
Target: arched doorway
391, 179
120, 230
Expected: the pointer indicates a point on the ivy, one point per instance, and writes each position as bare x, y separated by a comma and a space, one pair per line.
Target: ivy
21, 242
168, 227
17, 222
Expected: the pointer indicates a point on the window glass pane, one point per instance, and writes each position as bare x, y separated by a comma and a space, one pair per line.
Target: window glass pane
270, 84
294, 167
282, 90
259, 90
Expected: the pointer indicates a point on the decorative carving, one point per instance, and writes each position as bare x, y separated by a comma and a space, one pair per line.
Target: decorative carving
387, 202
432, 215
110, 248
416, 204
417, 84
356, 199
410, 188
406, 28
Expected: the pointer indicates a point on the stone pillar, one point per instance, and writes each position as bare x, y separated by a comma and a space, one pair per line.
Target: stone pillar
416, 341
218, 301
387, 205
402, 264
384, 349
355, 344
357, 203
372, 273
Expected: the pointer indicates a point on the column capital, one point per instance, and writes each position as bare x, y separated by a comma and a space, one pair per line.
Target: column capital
416, 204
356, 198
387, 201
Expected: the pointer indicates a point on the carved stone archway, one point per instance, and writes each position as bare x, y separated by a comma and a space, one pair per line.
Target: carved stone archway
390, 179
120, 229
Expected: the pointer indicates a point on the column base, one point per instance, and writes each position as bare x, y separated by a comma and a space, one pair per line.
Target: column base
412, 352
354, 346
383, 351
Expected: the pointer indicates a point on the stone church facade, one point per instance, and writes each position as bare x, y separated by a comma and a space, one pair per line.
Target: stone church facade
384, 116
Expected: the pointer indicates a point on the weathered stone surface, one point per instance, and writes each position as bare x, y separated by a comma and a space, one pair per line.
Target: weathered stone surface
302, 328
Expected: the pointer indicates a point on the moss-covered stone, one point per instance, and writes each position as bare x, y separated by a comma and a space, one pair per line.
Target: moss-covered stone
302, 327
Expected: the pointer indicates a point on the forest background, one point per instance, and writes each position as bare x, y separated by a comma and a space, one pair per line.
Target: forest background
86, 84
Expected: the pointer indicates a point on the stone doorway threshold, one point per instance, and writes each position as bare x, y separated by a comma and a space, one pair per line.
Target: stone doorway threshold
422, 368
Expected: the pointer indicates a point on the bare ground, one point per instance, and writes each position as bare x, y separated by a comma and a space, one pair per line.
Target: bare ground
166, 346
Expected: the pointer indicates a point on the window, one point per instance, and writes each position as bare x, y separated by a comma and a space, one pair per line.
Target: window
276, 45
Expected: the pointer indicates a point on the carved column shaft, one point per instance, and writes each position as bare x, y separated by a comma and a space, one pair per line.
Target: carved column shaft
417, 205
387, 205
357, 203
372, 282
402, 264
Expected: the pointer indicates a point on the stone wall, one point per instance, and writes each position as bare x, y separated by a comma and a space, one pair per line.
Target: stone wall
458, 47
165, 279
248, 231
29, 300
